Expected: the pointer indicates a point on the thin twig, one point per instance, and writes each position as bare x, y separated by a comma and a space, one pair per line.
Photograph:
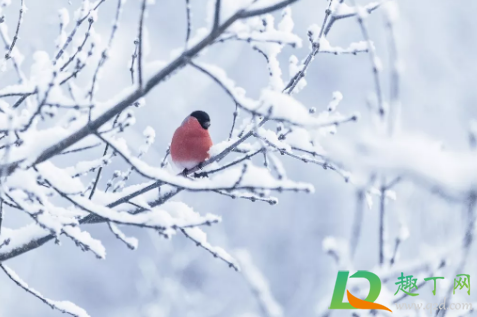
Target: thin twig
16, 64
15, 37
216, 15
235, 115
5, 242
104, 54
466, 243
81, 46
235, 162
251, 39
382, 206
394, 80
64, 307
188, 19
370, 8
141, 39
242, 174
249, 196
100, 170
316, 48
133, 59
164, 160
357, 222
395, 252
215, 254
393, 183
373, 58
277, 6
80, 149
1, 215
100, 64
131, 243
73, 32
98, 175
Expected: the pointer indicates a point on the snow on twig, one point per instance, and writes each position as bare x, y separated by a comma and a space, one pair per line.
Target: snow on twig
65, 307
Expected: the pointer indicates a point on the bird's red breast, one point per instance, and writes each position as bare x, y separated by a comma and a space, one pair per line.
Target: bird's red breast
190, 144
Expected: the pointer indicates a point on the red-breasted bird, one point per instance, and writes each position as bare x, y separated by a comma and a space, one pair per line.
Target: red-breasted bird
191, 141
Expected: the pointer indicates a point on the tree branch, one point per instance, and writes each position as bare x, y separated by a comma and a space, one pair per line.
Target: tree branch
216, 15
62, 306
188, 19
17, 31
140, 39
92, 126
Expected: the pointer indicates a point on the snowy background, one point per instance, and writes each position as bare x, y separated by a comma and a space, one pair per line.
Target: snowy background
436, 43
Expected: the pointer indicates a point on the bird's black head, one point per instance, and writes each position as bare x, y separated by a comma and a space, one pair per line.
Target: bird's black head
202, 117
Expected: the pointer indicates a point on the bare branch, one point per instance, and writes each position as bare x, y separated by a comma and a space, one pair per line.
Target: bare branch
397, 244
249, 196
277, 6
4, 242
100, 170
164, 160
235, 115
382, 206
235, 162
75, 29
216, 14
133, 59
188, 19
17, 31
104, 54
394, 81
98, 175
81, 46
1, 215
374, 60
357, 223
354, 52
80, 149
466, 243
369, 8
316, 48
140, 39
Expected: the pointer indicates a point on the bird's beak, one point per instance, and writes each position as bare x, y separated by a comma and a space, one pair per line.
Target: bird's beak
206, 125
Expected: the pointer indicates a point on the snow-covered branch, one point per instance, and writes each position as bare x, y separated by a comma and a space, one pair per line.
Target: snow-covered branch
65, 307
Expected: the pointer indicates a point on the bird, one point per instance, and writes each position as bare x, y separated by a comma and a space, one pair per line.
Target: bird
191, 141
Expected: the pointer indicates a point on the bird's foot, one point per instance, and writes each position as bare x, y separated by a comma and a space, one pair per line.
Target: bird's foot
185, 172
201, 175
